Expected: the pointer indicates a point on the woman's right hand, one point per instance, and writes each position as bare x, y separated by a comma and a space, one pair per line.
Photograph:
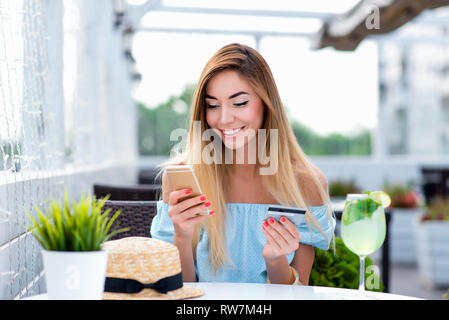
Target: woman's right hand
184, 214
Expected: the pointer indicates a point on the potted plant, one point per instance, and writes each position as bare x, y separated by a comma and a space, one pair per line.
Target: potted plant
340, 269
431, 241
406, 206
71, 239
338, 189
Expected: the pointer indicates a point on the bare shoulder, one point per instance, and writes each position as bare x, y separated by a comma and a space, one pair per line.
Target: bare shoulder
310, 188
166, 186
321, 177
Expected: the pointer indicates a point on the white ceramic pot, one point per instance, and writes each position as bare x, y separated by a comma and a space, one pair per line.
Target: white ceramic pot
402, 240
432, 250
75, 275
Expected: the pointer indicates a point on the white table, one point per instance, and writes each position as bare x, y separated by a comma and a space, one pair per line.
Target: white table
257, 291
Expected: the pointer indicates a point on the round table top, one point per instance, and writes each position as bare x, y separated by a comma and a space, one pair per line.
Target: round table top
258, 291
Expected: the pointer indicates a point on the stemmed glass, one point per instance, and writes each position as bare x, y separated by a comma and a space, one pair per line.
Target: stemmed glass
363, 229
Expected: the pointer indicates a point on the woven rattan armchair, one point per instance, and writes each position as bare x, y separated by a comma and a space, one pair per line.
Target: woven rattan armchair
148, 176
137, 215
126, 193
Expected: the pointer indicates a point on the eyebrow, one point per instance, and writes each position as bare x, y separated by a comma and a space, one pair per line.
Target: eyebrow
230, 97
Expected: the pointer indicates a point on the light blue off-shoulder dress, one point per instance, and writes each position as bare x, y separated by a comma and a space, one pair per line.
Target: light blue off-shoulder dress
245, 241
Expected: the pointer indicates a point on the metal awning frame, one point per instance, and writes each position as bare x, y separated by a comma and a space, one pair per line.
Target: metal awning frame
134, 14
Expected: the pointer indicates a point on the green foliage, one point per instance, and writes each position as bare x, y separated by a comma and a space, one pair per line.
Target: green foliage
402, 196
438, 210
340, 188
359, 210
334, 144
156, 125
340, 270
81, 227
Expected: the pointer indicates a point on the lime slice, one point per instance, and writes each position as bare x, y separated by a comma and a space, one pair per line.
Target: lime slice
381, 197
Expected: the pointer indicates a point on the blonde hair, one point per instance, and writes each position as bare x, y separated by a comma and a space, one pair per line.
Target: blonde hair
287, 186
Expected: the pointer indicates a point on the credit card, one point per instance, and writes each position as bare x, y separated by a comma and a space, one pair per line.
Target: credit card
295, 215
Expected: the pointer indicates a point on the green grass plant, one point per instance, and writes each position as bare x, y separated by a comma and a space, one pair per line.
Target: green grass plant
81, 226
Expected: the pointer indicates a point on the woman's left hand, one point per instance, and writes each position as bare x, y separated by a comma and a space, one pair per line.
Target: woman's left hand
282, 238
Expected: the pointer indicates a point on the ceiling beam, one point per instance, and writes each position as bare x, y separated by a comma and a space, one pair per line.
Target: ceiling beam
136, 13
339, 31
443, 40
233, 32
246, 12
346, 31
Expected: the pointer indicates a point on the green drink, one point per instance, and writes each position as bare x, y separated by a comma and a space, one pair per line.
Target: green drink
363, 226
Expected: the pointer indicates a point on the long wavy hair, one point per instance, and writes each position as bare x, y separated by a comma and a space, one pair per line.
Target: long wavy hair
288, 186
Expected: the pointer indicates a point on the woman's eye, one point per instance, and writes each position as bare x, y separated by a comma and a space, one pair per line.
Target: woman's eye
211, 106
240, 104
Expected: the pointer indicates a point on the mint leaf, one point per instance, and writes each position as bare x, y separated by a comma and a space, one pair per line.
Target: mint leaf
358, 210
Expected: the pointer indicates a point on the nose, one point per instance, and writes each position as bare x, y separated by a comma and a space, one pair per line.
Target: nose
226, 115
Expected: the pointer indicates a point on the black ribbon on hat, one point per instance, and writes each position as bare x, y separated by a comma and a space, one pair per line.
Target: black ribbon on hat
119, 285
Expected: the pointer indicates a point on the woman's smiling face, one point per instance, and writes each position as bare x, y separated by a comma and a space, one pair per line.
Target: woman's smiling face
232, 107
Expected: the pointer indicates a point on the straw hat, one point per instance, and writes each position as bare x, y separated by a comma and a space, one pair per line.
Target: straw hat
144, 268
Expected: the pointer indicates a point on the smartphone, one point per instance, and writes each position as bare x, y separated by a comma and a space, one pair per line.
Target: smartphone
295, 215
183, 177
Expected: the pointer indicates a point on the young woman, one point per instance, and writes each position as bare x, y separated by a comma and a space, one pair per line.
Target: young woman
236, 96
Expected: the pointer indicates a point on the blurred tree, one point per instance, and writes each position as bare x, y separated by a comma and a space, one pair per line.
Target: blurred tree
156, 124
334, 144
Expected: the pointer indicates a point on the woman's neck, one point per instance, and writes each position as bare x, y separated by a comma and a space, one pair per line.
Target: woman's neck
244, 171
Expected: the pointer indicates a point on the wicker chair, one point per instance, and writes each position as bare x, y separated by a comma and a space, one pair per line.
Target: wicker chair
148, 176
137, 215
126, 193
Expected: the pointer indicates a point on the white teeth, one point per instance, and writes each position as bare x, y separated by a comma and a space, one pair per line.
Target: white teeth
230, 132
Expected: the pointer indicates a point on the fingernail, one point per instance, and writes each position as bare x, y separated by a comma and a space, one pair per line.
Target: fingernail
265, 223
271, 220
283, 219
208, 204
188, 191
202, 198
212, 212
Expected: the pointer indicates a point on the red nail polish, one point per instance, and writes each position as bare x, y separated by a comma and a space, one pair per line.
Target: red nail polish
202, 198
212, 212
271, 220
188, 191
283, 219
265, 223
208, 204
